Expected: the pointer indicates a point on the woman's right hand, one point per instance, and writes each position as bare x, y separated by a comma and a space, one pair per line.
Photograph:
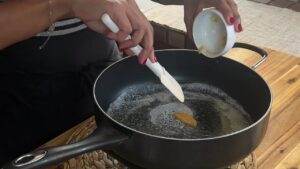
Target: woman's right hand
128, 17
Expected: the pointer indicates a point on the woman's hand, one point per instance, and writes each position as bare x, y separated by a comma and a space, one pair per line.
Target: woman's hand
228, 8
128, 17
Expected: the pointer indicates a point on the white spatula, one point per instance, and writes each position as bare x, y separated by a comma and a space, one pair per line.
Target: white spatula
166, 79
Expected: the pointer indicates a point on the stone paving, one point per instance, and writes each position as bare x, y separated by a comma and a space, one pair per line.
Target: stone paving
264, 25
290, 4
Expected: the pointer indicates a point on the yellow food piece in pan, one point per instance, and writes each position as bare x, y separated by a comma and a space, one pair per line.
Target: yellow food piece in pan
186, 118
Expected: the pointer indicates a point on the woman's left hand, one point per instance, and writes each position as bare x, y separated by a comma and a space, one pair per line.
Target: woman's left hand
228, 8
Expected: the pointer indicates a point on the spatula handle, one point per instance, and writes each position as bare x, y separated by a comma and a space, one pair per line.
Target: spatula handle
156, 68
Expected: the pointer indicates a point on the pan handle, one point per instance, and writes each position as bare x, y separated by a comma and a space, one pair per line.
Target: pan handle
253, 48
103, 137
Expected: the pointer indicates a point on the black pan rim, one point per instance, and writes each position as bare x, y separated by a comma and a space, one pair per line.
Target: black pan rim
180, 139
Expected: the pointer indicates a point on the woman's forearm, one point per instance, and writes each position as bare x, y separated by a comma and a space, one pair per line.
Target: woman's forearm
22, 19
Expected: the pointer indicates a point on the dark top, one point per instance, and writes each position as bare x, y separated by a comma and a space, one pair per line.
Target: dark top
62, 53
45, 92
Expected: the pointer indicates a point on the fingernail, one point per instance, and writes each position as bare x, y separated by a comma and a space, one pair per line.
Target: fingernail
231, 20
144, 62
155, 58
240, 28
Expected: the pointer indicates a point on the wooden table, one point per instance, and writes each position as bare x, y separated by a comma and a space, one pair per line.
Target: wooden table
280, 148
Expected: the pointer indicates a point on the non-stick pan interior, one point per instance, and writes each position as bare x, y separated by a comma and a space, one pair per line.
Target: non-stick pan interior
225, 79
150, 108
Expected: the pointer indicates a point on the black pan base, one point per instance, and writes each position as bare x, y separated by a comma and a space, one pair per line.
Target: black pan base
152, 152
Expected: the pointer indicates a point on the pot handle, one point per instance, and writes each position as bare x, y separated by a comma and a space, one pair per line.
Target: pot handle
253, 48
102, 138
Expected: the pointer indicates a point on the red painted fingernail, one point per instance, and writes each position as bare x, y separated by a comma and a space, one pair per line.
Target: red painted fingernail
231, 20
144, 61
240, 28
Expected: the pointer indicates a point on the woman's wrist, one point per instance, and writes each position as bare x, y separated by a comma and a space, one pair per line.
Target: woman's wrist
61, 9
189, 2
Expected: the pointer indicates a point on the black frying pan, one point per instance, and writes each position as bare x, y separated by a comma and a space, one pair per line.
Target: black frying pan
216, 149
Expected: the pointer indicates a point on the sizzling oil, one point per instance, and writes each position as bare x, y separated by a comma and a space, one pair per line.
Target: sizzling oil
149, 108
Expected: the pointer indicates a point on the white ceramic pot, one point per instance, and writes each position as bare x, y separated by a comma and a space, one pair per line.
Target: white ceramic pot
212, 35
